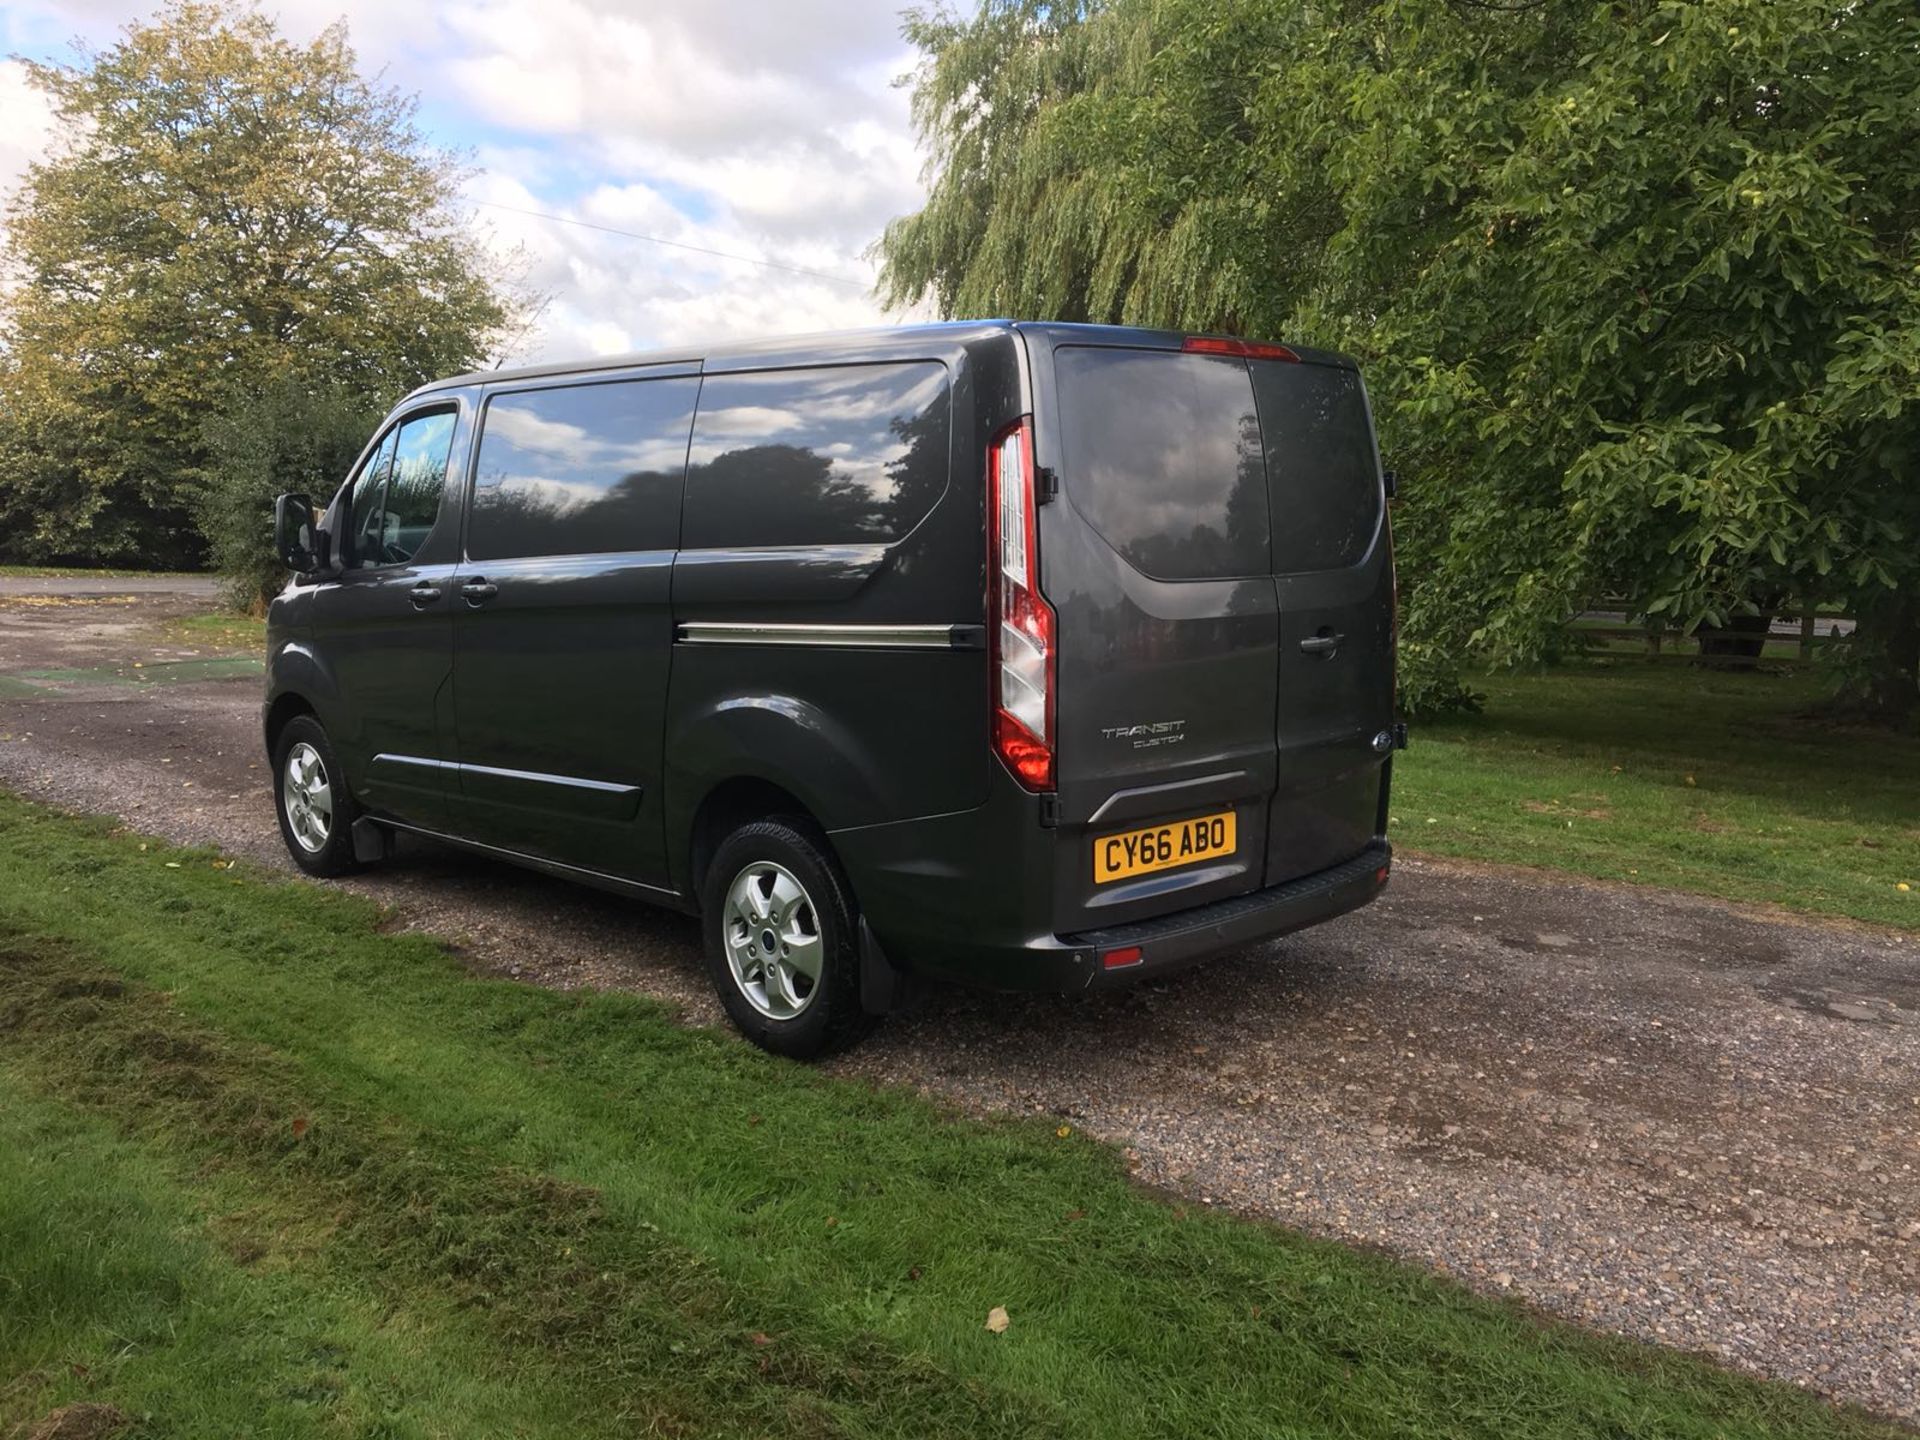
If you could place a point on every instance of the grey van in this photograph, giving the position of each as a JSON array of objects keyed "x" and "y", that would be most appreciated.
[{"x": 1030, "y": 655}]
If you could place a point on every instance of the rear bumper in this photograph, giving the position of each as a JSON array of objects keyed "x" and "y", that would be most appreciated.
[
  {"x": 1005, "y": 956},
  {"x": 1173, "y": 941}
]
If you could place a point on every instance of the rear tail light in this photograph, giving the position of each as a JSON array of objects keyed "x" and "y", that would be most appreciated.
[
  {"x": 1022, "y": 623},
  {"x": 1228, "y": 345}
]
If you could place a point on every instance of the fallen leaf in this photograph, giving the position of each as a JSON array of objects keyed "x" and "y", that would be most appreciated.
[
  {"x": 299, "y": 1126},
  {"x": 1066, "y": 1130},
  {"x": 760, "y": 1337},
  {"x": 1076, "y": 1214},
  {"x": 173, "y": 864},
  {"x": 997, "y": 1320}
]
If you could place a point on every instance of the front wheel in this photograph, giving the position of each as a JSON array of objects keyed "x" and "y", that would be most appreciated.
[
  {"x": 316, "y": 810},
  {"x": 780, "y": 927}
]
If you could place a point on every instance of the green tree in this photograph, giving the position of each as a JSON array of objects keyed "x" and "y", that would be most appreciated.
[
  {"x": 292, "y": 436},
  {"x": 1637, "y": 284},
  {"x": 228, "y": 217}
]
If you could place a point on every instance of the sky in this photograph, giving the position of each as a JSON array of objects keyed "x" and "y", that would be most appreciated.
[{"x": 763, "y": 128}]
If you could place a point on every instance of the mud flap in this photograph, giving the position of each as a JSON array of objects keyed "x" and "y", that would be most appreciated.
[
  {"x": 371, "y": 840},
  {"x": 883, "y": 989}
]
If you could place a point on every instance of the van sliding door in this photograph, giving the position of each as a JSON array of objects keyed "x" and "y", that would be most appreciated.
[{"x": 562, "y": 629}]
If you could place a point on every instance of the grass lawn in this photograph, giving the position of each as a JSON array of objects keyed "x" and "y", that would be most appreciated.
[
  {"x": 1660, "y": 773},
  {"x": 267, "y": 1170}
]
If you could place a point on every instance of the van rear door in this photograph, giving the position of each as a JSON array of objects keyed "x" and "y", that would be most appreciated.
[
  {"x": 1218, "y": 565},
  {"x": 1157, "y": 559},
  {"x": 1334, "y": 570}
]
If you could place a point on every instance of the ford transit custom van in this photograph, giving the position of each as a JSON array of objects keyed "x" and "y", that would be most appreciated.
[{"x": 1028, "y": 655}]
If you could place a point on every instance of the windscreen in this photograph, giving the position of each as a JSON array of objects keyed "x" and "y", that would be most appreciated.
[
  {"x": 1323, "y": 477},
  {"x": 1163, "y": 458}
]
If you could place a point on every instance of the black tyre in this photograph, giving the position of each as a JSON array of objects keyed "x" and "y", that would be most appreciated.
[
  {"x": 310, "y": 795},
  {"x": 781, "y": 940}
]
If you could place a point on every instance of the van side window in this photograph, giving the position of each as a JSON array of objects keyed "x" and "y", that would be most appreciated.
[
  {"x": 415, "y": 485},
  {"x": 396, "y": 496},
  {"x": 1321, "y": 469},
  {"x": 369, "y": 510},
  {"x": 1163, "y": 457},
  {"x": 582, "y": 469},
  {"x": 844, "y": 454}
]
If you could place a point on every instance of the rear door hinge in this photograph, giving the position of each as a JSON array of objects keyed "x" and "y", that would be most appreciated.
[
  {"x": 1049, "y": 811},
  {"x": 1046, "y": 484}
]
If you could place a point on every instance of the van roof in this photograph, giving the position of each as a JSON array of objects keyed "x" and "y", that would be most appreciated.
[{"x": 876, "y": 343}]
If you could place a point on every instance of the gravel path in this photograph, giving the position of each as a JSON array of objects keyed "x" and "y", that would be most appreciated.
[{"x": 1651, "y": 1113}]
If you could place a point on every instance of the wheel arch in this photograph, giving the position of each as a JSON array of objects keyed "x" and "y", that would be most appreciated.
[
  {"x": 736, "y": 801},
  {"x": 744, "y": 757},
  {"x": 282, "y": 709}
]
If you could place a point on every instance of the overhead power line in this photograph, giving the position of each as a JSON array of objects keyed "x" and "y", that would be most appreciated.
[{"x": 674, "y": 244}]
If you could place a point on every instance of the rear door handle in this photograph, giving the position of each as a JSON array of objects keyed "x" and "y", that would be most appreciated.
[
  {"x": 478, "y": 592},
  {"x": 1321, "y": 644},
  {"x": 423, "y": 595}
]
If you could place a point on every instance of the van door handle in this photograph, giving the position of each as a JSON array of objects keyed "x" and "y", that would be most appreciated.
[
  {"x": 478, "y": 592},
  {"x": 423, "y": 595},
  {"x": 1321, "y": 644}
]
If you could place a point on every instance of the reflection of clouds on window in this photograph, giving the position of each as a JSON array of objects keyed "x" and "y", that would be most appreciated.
[
  {"x": 558, "y": 496},
  {"x": 749, "y": 422},
  {"x": 574, "y": 446},
  {"x": 582, "y": 469},
  {"x": 860, "y": 454},
  {"x": 873, "y": 474}
]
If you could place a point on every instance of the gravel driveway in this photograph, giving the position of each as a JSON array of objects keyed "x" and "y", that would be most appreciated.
[{"x": 1651, "y": 1113}]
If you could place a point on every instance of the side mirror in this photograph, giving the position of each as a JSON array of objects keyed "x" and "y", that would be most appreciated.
[{"x": 295, "y": 538}]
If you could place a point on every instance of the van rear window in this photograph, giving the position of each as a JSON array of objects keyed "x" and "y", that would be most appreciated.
[
  {"x": 1163, "y": 457},
  {"x": 1323, "y": 476}
]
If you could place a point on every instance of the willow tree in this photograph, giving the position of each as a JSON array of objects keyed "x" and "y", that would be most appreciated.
[
  {"x": 225, "y": 215},
  {"x": 1637, "y": 284}
]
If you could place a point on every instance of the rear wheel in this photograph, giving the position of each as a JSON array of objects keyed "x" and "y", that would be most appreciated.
[
  {"x": 310, "y": 793},
  {"x": 780, "y": 939}
]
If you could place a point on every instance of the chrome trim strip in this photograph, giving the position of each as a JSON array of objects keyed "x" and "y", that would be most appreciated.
[
  {"x": 869, "y": 637},
  {"x": 418, "y": 762},
  {"x": 1170, "y": 791},
  {"x": 571, "y": 782}
]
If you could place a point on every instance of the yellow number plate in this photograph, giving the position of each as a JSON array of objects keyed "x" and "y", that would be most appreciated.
[{"x": 1162, "y": 847}]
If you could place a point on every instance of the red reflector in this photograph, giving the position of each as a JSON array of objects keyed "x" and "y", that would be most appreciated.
[
  {"x": 1228, "y": 345},
  {"x": 1380, "y": 876},
  {"x": 1120, "y": 959}
]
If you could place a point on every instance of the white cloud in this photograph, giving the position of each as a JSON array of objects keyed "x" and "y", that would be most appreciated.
[
  {"x": 763, "y": 130},
  {"x": 26, "y": 124}
]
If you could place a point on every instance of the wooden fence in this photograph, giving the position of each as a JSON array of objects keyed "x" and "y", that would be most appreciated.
[{"x": 1789, "y": 637}]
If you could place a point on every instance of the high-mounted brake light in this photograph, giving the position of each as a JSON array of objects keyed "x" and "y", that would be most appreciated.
[
  {"x": 1022, "y": 623},
  {"x": 1228, "y": 345}
]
